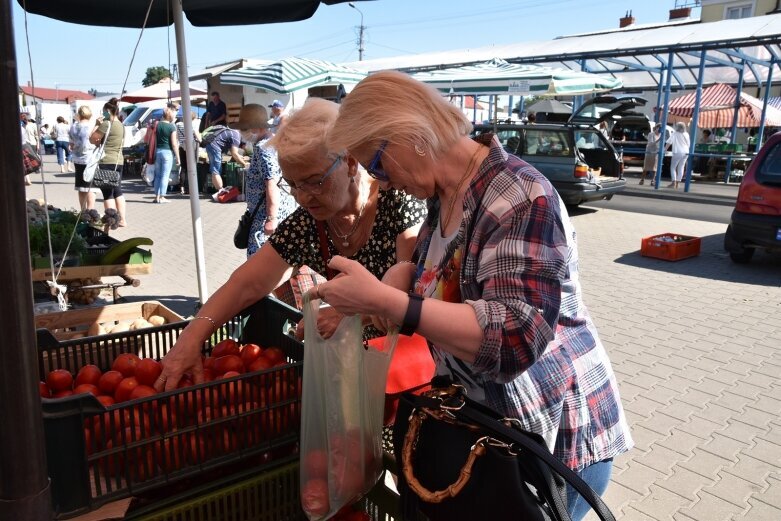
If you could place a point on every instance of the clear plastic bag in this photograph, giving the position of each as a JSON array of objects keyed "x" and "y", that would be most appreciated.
[{"x": 342, "y": 411}]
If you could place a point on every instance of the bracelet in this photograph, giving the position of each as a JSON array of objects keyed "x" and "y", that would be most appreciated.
[
  {"x": 407, "y": 262},
  {"x": 210, "y": 319},
  {"x": 412, "y": 316},
  {"x": 270, "y": 218}
]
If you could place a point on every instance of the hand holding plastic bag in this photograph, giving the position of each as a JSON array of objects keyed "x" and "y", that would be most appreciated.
[{"x": 342, "y": 411}]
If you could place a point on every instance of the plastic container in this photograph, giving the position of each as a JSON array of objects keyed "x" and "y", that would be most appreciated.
[
  {"x": 670, "y": 246},
  {"x": 97, "y": 454},
  {"x": 270, "y": 496}
]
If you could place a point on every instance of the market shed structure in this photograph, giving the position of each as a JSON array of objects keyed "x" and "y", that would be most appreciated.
[{"x": 680, "y": 55}]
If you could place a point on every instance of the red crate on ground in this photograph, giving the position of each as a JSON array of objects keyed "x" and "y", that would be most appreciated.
[{"x": 670, "y": 246}]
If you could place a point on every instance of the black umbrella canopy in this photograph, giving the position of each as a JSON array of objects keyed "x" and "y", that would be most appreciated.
[{"x": 201, "y": 13}]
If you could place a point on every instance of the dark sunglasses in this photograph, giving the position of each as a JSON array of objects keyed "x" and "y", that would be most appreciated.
[{"x": 375, "y": 166}]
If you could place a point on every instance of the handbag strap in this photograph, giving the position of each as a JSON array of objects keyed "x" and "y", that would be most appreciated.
[
  {"x": 325, "y": 253},
  {"x": 255, "y": 211},
  {"x": 473, "y": 414}
]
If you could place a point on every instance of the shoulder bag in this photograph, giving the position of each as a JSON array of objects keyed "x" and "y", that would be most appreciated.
[
  {"x": 104, "y": 177},
  {"x": 462, "y": 460},
  {"x": 241, "y": 236}
]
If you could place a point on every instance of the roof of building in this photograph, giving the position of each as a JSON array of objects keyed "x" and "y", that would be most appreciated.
[
  {"x": 47, "y": 94},
  {"x": 635, "y": 54}
]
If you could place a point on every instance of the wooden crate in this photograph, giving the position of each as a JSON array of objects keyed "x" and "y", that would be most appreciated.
[
  {"x": 67, "y": 325},
  {"x": 670, "y": 246}
]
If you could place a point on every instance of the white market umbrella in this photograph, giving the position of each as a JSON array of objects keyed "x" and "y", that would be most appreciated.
[
  {"x": 499, "y": 77},
  {"x": 164, "y": 89},
  {"x": 291, "y": 74}
]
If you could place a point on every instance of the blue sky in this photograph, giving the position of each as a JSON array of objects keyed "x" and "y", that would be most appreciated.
[{"x": 81, "y": 57}]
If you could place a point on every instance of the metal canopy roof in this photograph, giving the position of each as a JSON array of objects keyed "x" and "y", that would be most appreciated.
[{"x": 636, "y": 56}]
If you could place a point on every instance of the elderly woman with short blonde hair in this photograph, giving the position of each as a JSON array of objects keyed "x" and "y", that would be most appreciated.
[
  {"x": 495, "y": 290},
  {"x": 81, "y": 148},
  {"x": 336, "y": 200}
]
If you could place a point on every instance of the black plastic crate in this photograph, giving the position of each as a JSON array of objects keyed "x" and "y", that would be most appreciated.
[{"x": 97, "y": 454}]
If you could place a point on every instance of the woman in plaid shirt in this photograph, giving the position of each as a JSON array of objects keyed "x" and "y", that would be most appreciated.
[{"x": 496, "y": 270}]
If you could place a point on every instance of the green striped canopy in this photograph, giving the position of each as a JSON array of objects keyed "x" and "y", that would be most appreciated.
[
  {"x": 291, "y": 74},
  {"x": 499, "y": 77}
]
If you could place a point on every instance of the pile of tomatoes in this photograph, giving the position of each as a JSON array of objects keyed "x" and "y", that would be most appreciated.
[{"x": 186, "y": 428}]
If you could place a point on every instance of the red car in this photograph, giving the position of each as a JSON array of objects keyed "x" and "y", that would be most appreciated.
[{"x": 756, "y": 220}]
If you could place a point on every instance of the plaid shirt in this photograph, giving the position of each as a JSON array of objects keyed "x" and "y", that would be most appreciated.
[{"x": 540, "y": 360}]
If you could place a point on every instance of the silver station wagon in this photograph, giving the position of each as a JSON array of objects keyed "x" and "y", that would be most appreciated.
[{"x": 575, "y": 156}]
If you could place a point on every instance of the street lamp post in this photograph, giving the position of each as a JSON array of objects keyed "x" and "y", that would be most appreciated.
[{"x": 360, "y": 32}]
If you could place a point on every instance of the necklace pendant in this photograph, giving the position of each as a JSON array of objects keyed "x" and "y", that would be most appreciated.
[{"x": 345, "y": 243}]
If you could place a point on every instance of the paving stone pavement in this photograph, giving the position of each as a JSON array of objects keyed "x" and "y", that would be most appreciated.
[{"x": 696, "y": 346}]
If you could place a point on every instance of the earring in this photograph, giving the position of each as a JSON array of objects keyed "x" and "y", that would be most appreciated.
[{"x": 419, "y": 150}]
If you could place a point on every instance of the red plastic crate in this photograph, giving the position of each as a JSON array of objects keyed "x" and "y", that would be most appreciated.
[{"x": 670, "y": 246}]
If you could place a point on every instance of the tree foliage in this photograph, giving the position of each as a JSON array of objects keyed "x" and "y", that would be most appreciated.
[{"x": 154, "y": 75}]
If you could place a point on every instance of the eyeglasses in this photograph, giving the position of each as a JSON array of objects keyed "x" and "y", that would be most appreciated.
[
  {"x": 312, "y": 187},
  {"x": 375, "y": 166}
]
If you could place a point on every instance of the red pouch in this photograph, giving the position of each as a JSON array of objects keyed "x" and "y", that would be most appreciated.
[
  {"x": 411, "y": 370},
  {"x": 228, "y": 195}
]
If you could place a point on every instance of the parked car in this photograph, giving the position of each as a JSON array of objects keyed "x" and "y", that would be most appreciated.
[
  {"x": 575, "y": 156},
  {"x": 756, "y": 219},
  {"x": 143, "y": 114},
  {"x": 633, "y": 128}
]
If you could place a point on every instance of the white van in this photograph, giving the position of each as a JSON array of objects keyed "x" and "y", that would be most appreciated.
[{"x": 144, "y": 113}]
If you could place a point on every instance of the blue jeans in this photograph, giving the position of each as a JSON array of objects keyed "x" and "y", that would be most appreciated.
[
  {"x": 215, "y": 160},
  {"x": 164, "y": 160},
  {"x": 597, "y": 475},
  {"x": 63, "y": 152}
]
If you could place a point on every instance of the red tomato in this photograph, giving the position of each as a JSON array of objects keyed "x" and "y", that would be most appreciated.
[
  {"x": 274, "y": 354},
  {"x": 208, "y": 375},
  {"x": 44, "y": 390},
  {"x": 109, "y": 381},
  {"x": 225, "y": 348},
  {"x": 59, "y": 380},
  {"x": 165, "y": 418},
  {"x": 62, "y": 394},
  {"x": 88, "y": 441},
  {"x": 185, "y": 381},
  {"x": 250, "y": 353},
  {"x": 173, "y": 453},
  {"x": 147, "y": 371},
  {"x": 142, "y": 391},
  {"x": 125, "y": 387},
  {"x": 314, "y": 497},
  {"x": 126, "y": 364},
  {"x": 316, "y": 464},
  {"x": 197, "y": 449},
  {"x": 106, "y": 400},
  {"x": 260, "y": 364},
  {"x": 86, "y": 388},
  {"x": 89, "y": 374},
  {"x": 208, "y": 363},
  {"x": 228, "y": 363}
]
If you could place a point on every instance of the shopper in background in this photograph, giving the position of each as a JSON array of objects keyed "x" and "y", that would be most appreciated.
[
  {"x": 680, "y": 145},
  {"x": 277, "y": 107},
  {"x": 81, "y": 148},
  {"x": 108, "y": 123},
  {"x": 495, "y": 289},
  {"x": 33, "y": 140},
  {"x": 227, "y": 140},
  {"x": 61, "y": 136},
  {"x": 196, "y": 139},
  {"x": 262, "y": 192},
  {"x": 166, "y": 152},
  {"x": 651, "y": 153}
]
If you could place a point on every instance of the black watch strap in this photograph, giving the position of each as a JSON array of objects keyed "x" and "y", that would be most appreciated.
[{"x": 412, "y": 316}]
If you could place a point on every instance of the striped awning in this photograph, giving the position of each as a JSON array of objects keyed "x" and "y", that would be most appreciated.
[
  {"x": 499, "y": 77},
  {"x": 775, "y": 102},
  {"x": 292, "y": 74},
  {"x": 717, "y": 108}
]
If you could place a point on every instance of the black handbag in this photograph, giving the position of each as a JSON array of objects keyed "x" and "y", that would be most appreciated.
[
  {"x": 461, "y": 460},
  {"x": 106, "y": 178},
  {"x": 241, "y": 237}
]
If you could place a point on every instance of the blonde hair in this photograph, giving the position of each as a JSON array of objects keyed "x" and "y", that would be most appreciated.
[
  {"x": 392, "y": 106},
  {"x": 84, "y": 112},
  {"x": 303, "y": 134}
]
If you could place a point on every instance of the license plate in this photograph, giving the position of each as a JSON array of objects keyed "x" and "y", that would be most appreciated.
[{"x": 778, "y": 234}]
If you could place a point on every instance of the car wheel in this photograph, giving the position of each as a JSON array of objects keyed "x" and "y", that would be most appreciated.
[{"x": 743, "y": 256}]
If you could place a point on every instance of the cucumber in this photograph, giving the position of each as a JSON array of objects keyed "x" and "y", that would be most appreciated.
[{"x": 123, "y": 249}]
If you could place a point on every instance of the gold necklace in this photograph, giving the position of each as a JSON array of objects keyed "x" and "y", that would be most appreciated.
[
  {"x": 453, "y": 200},
  {"x": 346, "y": 237}
]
